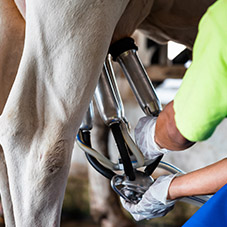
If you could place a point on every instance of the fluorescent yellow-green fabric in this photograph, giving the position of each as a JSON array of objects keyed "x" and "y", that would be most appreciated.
[{"x": 201, "y": 102}]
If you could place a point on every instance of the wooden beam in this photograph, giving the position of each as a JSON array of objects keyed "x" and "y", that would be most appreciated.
[{"x": 159, "y": 73}]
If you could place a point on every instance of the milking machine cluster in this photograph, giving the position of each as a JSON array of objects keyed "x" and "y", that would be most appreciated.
[{"x": 132, "y": 184}]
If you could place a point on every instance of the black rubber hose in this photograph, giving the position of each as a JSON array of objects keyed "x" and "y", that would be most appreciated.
[
  {"x": 93, "y": 161},
  {"x": 151, "y": 168},
  {"x": 123, "y": 150}
]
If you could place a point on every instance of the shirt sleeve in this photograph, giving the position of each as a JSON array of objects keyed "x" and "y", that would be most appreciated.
[{"x": 201, "y": 102}]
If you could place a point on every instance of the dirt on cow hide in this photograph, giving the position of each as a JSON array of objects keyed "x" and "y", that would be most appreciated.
[{"x": 76, "y": 208}]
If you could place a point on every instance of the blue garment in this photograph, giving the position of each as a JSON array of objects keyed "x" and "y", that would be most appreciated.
[{"x": 213, "y": 213}]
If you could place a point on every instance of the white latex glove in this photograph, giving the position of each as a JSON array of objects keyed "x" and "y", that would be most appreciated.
[
  {"x": 154, "y": 202},
  {"x": 144, "y": 137}
]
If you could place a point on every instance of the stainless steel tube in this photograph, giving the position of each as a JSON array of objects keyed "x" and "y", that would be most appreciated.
[
  {"x": 139, "y": 82},
  {"x": 88, "y": 118},
  {"x": 107, "y": 96},
  {"x": 108, "y": 67}
]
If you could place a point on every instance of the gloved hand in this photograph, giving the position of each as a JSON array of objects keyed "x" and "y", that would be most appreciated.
[
  {"x": 144, "y": 137},
  {"x": 154, "y": 202}
]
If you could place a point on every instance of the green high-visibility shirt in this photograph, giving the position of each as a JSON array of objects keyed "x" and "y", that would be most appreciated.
[{"x": 201, "y": 102}]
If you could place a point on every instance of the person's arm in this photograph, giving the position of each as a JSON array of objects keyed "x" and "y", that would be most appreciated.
[
  {"x": 156, "y": 136},
  {"x": 205, "y": 181},
  {"x": 160, "y": 198},
  {"x": 166, "y": 133}
]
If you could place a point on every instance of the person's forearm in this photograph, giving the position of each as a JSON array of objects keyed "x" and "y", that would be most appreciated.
[
  {"x": 166, "y": 133},
  {"x": 204, "y": 181}
]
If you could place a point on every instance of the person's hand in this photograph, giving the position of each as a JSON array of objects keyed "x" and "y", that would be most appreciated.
[
  {"x": 144, "y": 137},
  {"x": 154, "y": 202}
]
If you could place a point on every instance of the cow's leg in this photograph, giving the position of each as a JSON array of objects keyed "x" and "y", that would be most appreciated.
[
  {"x": 65, "y": 46},
  {"x": 11, "y": 46},
  {"x": 104, "y": 202}
]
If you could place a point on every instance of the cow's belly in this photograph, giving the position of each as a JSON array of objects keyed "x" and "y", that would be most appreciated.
[
  {"x": 21, "y": 5},
  {"x": 134, "y": 14}
]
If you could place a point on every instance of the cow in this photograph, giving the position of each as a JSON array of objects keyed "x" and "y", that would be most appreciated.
[{"x": 57, "y": 57}]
